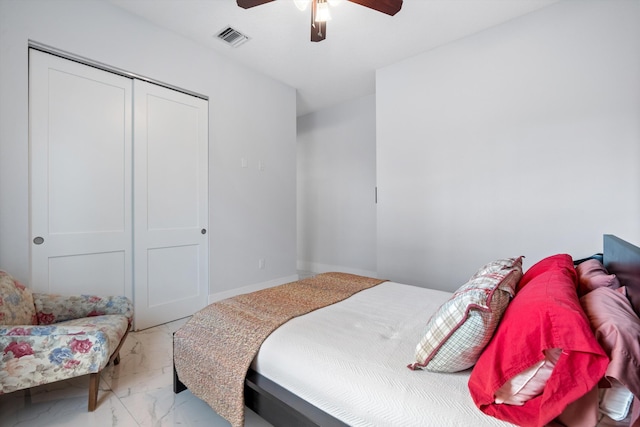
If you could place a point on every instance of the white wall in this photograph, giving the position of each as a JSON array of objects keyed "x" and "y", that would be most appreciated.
[
  {"x": 522, "y": 139},
  {"x": 336, "y": 189},
  {"x": 252, "y": 213}
]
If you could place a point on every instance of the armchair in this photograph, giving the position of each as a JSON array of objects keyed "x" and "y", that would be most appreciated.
[{"x": 46, "y": 338}]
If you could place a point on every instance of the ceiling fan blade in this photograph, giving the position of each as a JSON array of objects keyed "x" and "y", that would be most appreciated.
[
  {"x": 246, "y": 4},
  {"x": 390, "y": 7}
]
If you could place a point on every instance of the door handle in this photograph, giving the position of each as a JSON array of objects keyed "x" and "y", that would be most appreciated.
[
  {"x": 203, "y": 231},
  {"x": 38, "y": 240}
]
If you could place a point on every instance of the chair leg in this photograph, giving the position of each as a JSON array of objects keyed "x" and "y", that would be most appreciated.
[
  {"x": 115, "y": 357},
  {"x": 94, "y": 382},
  {"x": 94, "y": 379}
]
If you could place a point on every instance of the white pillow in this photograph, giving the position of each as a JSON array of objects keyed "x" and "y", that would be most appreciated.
[
  {"x": 529, "y": 383},
  {"x": 616, "y": 401}
]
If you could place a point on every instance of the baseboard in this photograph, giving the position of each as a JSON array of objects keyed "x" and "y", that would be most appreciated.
[
  {"x": 315, "y": 267},
  {"x": 251, "y": 288}
]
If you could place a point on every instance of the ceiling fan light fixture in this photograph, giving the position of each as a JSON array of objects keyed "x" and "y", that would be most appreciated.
[
  {"x": 302, "y": 4},
  {"x": 322, "y": 12}
]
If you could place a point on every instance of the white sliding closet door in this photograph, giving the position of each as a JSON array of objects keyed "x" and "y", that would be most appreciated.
[
  {"x": 80, "y": 178},
  {"x": 119, "y": 189},
  {"x": 170, "y": 204}
]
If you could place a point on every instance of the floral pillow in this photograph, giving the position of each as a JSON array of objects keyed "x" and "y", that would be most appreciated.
[{"x": 16, "y": 302}]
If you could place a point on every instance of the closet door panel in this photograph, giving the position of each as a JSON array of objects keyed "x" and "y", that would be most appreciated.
[
  {"x": 171, "y": 204},
  {"x": 169, "y": 266},
  {"x": 111, "y": 279},
  {"x": 80, "y": 178},
  {"x": 173, "y": 180},
  {"x": 86, "y": 154}
]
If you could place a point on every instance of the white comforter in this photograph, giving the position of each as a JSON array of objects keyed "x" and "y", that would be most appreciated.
[{"x": 350, "y": 359}]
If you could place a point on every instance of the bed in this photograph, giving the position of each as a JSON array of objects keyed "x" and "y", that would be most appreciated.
[{"x": 372, "y": 352}]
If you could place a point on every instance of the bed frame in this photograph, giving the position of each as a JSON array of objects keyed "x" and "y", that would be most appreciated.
[
  {"x": 623, "y": 259},
  {"x": 280, "y": 407}
]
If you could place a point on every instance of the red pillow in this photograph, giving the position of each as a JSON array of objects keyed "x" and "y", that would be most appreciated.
[
  {"x": 543, "y": 266},
  {"x": 544, "y": 314}
]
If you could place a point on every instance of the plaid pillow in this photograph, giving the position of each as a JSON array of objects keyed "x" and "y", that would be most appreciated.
[{"x": 461, "y": 328}]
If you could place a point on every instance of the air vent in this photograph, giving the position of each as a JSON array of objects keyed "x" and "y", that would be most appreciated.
[{"x": 232, "y": 37}]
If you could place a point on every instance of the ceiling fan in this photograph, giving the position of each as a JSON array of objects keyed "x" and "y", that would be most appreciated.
[{"x": 318, "y": 7}]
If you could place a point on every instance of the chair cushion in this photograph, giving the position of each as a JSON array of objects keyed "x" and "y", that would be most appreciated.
[
  {"x": 52, "y": 308},
  {"x": 112, "y": 327},
  {"x": 16, "y": 302},
  {"x": 41, "y": 354}
]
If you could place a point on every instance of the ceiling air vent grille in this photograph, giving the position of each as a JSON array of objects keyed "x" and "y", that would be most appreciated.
[{"x": 232, "y": 37}]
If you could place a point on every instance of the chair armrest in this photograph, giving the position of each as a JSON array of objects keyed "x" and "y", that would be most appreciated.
[
  {"x": 58, "y": 308},
  {"x": 34, "y": 355}
]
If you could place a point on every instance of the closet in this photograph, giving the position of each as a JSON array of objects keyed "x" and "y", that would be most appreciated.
[{"x": 118, "y": 188}]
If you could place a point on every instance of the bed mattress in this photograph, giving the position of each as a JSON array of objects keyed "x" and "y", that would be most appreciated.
[{"x": 350, "y": 360}]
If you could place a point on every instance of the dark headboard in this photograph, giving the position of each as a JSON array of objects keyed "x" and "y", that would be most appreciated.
[{"x": 623, "y": 259}]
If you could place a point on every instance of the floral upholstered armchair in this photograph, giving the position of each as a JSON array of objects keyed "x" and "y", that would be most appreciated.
[{"x": 46, "y": 338}]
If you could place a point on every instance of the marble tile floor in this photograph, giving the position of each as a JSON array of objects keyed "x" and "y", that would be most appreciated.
[{"x": 137, "y": 392}]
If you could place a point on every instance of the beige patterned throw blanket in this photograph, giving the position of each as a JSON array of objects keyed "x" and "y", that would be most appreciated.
[{"x": 213, "y": 351}]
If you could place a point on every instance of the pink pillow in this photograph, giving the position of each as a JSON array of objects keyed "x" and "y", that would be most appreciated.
[
  {"x": 592, "y": 275},
  {"x": 617, "y": 328},
  {"x": 545, "y": 314}
]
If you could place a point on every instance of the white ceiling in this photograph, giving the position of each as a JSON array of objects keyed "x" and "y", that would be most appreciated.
[{"x": 359, "y": 40}]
